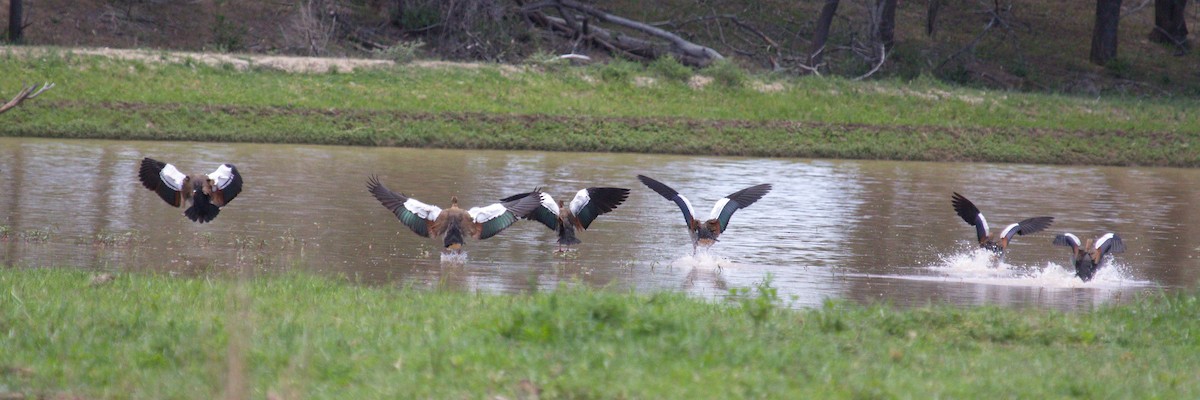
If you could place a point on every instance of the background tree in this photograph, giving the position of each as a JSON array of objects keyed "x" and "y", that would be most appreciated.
[
  {"x": 1104, "y": 32},
  {"x": 15, "y": 12},
  {"x": 821, "y": 33},
  {"x": 1170, "y": 22},
  {"x": 886, "y": 29}
]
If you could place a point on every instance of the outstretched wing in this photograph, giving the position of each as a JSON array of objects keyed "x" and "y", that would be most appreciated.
[
  {"x": 971, "y": 215},
  {"x": 1071, "y": 241},
  {"x": 725, "y": 207},
  {"x": 689, "y": 216},
  {"x": 1068, "y": 240},
  {"x": 546, "y": 212},
  {"x": 1025, "y": 227},
  {"x": 1109, "y": 243},
  {"x": 592, "y": 202},
  {"x": 227, "y": 183},
  {"x": 494, "y": 218},
  {"x": 414, "y": 214},
  {"x": 164, "y": 179}
]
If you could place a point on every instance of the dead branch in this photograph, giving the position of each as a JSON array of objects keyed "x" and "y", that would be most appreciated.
[
  {"x": 686, "y": 51},
  {"x": 1135, "y": 9},
  {"x": 997, "y": 19},
  {"x": 882, "y": 58},
  {"x": 26, "y": 93}
]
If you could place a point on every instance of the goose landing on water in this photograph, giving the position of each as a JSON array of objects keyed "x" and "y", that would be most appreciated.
[
  {"x": 202, "y": 196},
  {"x": 997, "y": 244},
  {"x": 452, "y": 224},
  {"x": 566, "y": 218},
  {"x": 1087, "y": 258},
  {"x": 705, "y": 232}
]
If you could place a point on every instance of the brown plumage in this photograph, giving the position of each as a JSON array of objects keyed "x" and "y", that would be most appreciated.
[
  {"x": 999, "y": 243},
  {"x": 201, "y": 195},
  {"x": 705, "y": 232},
  {"x": 451, "y": 224},
  {"x": 566, "y": 219}
]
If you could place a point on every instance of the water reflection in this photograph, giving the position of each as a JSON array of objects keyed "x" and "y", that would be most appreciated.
[{"x": 866, "y": 231}]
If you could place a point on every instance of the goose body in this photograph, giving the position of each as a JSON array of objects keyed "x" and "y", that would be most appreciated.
[
  {"x": 1087, "y": 257},
  {"x": 451, "y": 224},
  {"x": 705, "y": 232},
  {"x": 997, "y": 244},
  {"x": 566, "y": 218},
  {"x": 201, "y": 196}
]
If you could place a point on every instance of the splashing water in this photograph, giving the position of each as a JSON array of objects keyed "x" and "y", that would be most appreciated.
[
  {"x": 981, "y": 266},
  {"x": 703, "y": 260},
  {"x": 454, "y": 257}
]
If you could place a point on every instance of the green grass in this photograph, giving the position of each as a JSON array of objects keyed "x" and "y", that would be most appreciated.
[
  {"x": 301, "y": 336},
  {"x": 599, "y": 108}
]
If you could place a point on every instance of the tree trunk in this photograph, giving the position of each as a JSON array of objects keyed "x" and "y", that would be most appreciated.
[
  {"x": 14, "y": 21},
  {"x": 397, "y": 17},
  {"x": 821, "y": 34},
  {"x": 1170, "y": 24},
  {"x": 887, "y": 23},
  {"x": 1104, "y": 33}
]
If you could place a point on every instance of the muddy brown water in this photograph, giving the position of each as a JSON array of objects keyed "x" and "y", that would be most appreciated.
[{"x": 865, "y": 231}]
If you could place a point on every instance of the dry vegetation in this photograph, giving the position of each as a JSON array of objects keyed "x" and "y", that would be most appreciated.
[{"x": 1036, "y": 46}]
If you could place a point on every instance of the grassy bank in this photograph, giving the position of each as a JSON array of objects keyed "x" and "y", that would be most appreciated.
[
  {"x": 148, "y": 336},
  {"x": 615, "y": 107}
]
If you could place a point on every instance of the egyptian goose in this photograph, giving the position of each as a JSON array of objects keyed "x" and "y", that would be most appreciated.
[
  {"x": 201, "y": 195},
  {"x": 1087, "y": 258},
  {"x": 565, "y": 218},
  {"x": 997, "y": 244},
  {"x": 705, "y": 232},
  {"x": 452, "y": 224}
]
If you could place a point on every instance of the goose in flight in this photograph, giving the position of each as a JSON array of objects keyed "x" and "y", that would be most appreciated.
[
  {"x": 1087, "y": 258},
  {"x": 997, "y": 244},
  {"x": 201, "y": 196},
  {"x": 452, "y": 224},
  {"x": 705, "y": 232},
  {"x": 565, "y": 218}
]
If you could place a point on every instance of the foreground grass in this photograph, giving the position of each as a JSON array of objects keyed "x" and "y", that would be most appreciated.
[
  {"x": 296, "y": 336},
  {"x": 600, "y": 108}
]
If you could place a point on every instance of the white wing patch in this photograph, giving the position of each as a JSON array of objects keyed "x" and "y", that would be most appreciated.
[
  {"x": 426, "y": 211},
  {"x": 1008, "y": 229},
  {"x": 222, "y": 176},
  {"x": 716, "y": 211},
  {"x": 172, "y": 177},
  {"x": 1101, "y": 240},
  {"x": 485, "y": 214},
  {"x": 548, "y": 203},
  {"x": 691, "y": 211},
  {"x": 580, "y": 201},
  {"x": 983, "y": 221},
  {"x": 1074, "y": 239}
]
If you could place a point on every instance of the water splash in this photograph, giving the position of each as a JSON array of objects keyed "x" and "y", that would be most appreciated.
[
  {"x": 981, "y": 266},
  {"x": 454, "y": 257},
  {"x": 703, "y": 260}
]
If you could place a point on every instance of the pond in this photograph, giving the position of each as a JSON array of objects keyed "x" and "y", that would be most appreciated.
[{"x": 866, "y": 231}]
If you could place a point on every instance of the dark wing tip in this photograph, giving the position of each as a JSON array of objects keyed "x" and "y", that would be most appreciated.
[
  {"x": 149, "y": 172},
  {"x": 965, "y": 208},
  {"x": 524, "y": 205},
  {"x": 659, "y": 187},
  {"x": 519, "y": 196},
  {"x": 750, "y": 195},
  {"x": 1117, "y": 245},
  {"x": 1034, "y": 225},
  {"x": 606, "y": 199}
]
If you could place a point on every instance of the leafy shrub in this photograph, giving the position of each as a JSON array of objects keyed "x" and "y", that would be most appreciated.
[
  {"x": 619, "y": 70},
  {"x": 402, "y": 52},
  {"x": 726, "y": 73},
  {"x": 670, "y": 69}
]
